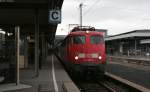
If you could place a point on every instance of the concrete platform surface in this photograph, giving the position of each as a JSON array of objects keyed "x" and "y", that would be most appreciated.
[
  {"x": 13, "y": 86},
  {"x": 51, "y": 77},
  {"x": 70, "y": 87}
]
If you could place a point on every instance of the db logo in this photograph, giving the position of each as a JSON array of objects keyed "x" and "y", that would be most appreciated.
[{"x": 55, "y": 16}]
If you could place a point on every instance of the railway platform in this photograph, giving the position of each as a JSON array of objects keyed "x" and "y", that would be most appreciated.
[
  {"x": 130, "y": 59},
  {"x": 133, "y": 69},
  {"x": 52, "y": 78}
]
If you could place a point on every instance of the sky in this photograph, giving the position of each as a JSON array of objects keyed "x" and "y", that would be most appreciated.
[{"x": 117, "y": 16}]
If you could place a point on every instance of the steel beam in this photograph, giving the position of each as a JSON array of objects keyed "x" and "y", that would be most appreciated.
[
  {"x": 17, "y": 32},
  {"x": 36, "y": 43}
]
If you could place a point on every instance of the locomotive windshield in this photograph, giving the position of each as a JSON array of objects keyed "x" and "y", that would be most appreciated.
[
  {"x": 96, "y": 39},
  {"x": 78, "y": 39}
]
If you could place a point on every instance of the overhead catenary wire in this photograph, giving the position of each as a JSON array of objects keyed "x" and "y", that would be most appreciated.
[
  {"x": 91, "y": 7},
  {"x": 80, "y": 1}
]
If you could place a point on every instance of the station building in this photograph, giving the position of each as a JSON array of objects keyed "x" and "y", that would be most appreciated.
[{"x": 134, "y": 43}]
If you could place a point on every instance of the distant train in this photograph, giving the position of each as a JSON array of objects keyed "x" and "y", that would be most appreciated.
[{"x": 83, "y": 52}]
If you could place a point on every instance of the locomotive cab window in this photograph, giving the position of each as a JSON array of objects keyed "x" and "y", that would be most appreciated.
[
  {"x": 96, "y": 39},
  {"x": 77, "y": 40}
]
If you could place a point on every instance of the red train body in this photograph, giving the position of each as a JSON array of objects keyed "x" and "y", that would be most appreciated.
[{"x": 84, "y": 51}]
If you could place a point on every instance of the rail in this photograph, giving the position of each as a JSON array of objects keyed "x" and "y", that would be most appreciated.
[
  {"x": 124, "y": 84},
  {"x": 110, "y": 83}
]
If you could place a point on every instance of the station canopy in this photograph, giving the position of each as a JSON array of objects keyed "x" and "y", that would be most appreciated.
[
  {"x": 23, "y": 12},
  {"x": 145, "y": 33}
]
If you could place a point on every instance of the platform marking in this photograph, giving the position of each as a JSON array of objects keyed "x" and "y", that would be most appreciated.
[{"x": 54, "y": 77}]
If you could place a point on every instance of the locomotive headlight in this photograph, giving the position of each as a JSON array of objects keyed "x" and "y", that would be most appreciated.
[
  {"x": 100, "y": 57},
  {"x": 87, "y": 31},
  {"x": 76, "y": 57}
]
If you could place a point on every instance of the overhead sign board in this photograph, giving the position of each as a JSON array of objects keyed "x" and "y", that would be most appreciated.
[{"x": 55, "y": 16}]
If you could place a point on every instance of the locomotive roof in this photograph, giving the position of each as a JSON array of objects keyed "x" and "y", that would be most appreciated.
[{"x": 84, "y": 32}]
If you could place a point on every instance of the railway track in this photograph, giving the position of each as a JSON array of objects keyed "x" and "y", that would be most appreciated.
[
  {"x": 92, "y": 87},
  {"x": 110, "y": 83},
  {"x": 99, "y": 86}
]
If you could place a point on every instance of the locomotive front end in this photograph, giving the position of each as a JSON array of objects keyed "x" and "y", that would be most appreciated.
[{"x": 87, "y": 52}]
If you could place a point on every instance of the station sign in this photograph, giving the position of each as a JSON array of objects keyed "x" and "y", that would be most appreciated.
[{"x": 55, "y": 16}]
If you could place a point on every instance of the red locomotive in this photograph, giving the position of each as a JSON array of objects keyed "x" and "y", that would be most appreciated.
[{"x": 83, "y": 51}]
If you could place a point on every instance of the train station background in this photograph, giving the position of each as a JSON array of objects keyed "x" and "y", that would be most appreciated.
[
  {"x": 131, "y": 44},
  {"x": 37, "y": 34}
]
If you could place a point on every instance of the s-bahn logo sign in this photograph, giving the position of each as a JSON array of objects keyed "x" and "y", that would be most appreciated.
[{"x": 55, "y": 16}]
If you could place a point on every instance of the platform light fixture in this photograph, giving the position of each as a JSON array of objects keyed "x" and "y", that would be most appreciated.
[
  {"x": 9, "y": 34},
  {"x": 1, "y": 31}
]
